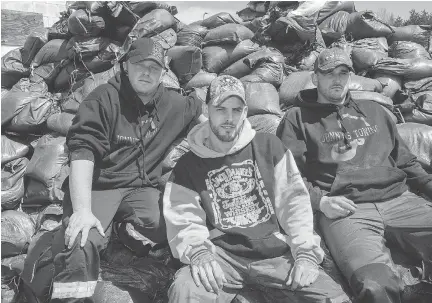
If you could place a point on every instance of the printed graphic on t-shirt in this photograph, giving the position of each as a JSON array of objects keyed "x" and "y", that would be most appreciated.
[
  {"x": 341, "y": 151},
  {"x": 239, "y": 196}
]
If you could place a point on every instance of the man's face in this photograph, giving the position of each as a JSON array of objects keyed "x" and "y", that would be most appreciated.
[
  {"x": 227, "y": 118},
  {"x": 333, "y": 85},
  {"x": 144, "y": 76}
]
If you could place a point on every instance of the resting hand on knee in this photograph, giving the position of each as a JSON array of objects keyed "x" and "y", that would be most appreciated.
[
  {"x": 303, "y": 273},
  {"x": 206, "y": 270},
  {"x": 81, "y": 221},
  {"x": 337, "y": 207}
]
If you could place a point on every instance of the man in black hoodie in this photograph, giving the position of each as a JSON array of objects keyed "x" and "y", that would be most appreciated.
[
  {"x": 117, "y": 142},
  {"x": 357, "y": 170}
]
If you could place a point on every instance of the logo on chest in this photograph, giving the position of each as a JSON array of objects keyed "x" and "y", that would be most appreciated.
[
  {"x": 125, "y": 140},
  {"x": 239, "y": 197}
]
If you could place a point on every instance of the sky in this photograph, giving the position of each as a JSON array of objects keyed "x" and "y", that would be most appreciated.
[{"x": 189, "y": 11}]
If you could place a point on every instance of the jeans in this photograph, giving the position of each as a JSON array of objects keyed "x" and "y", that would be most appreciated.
[
  {"x": 358, "y": 244},
  {"x": 268, "y": 275}
]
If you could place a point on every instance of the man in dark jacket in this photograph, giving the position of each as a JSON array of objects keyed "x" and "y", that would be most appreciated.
[
  {"x": 357, "y": 170},
  {"x": 117, "y": 142}
]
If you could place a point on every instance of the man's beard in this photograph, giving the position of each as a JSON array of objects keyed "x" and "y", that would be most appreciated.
[{"x": 222, "y": 136}]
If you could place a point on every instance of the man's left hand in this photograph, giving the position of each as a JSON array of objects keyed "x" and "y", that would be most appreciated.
[{"x": 303, "y": 273}]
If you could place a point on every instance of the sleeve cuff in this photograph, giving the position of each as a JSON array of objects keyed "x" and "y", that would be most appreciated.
[
  {"x": 193, "y": 249},
  {"x": 82, "y": 154}
]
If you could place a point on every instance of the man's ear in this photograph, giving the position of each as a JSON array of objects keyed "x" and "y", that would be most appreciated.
[
  {"x": 125, "y": 66},
  {"x": 314, "y": 79}
]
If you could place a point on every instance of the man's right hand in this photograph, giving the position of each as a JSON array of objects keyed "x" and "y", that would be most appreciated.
[
  {"x": 206, "y": 270},
  {"x": 337, "y": 207},
  {"x": 81, "y": 221}
]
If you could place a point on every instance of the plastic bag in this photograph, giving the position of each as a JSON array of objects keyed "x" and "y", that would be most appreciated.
[
  {"x": 366, "y": 24},
  {"x": 36, "y": 194},
  {"x": 247, "y": 14},
  {"x": 186, "y": 62},
  {"x": 265, "y": 123},
  {"x": 86, "y": 47},
  {"x": 266, "y": 72},
  {"x": 12, "y": 183},
  {"x": 60, "y": 122},
  {"x": 81, "y": 23},
  {"x": 170, "y": 81},
  {"x": 262, "y": 98},
  {"x": 227, "y": 34},
  {"x": 12, "y": 149},
  {"x": 53, "y": 51},
  {"x": 70, "y": 74},
  {"x": 421, "y": 34},
  {"x": 216, "y": 58},
  {"x": 192, "y": 35},
  {"x": 11, "y": 268},
  {"x": 333, "y": 7},
  {"x": 201, "y": 79},
  {"x": 292, "y": 85},
  {"x": 47, "y": 73},
  {"x": 366, "y": 52},
  {"x": 16, "y": 231},
  {"x": 168, "y": 38},
  {"x": 60, "y": 30},
  {"x": 49, "y": 164},
  {"x": 219, "y": 20},
  {"x": 408, "y": 50},
  {"x": 12, "y": 68},
  {"x": 412, "y": 69},
  {"x": 34, "y": 42},
  {"x": 360, "y": 96},
  {"x": 49, "y": 219}
]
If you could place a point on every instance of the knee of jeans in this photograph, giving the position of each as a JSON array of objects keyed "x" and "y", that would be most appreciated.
[
  {"x": 376, "y": 283},
  {"x": 183, "y": 283}
]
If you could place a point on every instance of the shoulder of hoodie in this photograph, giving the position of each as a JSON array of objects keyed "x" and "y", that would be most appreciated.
[{"x": 176, "y": 99}]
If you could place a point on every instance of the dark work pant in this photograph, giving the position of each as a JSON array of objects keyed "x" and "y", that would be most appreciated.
[
  {"x": 77, "y": 269},
  {"x": 268, "y": 275},
  {"x": 358, "y": 244}
]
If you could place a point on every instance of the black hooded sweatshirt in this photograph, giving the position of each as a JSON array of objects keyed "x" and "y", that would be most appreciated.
[
  {"x": 352, "y": 150},
  {"x": 126, "y": 139}
]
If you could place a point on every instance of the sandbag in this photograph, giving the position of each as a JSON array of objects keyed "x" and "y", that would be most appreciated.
[
  {"x": 292, "y": 85},
  {"x": 285, "y": 31},
  {"x": 53, "y": 51},
  {"x": 201, "y": 79},
  {"x": 12, "y": 68},
  {"x": 421, "y": 34},
  {"x": 49, "y": 218},
  {"x": 170, "y": 81},
  {"x": 177, "y": 149},
  {"x": 36, "y": 194},
  {"x": 186, "y": 62},
  {"x": 34, "y": 42},
  {"x": 266, "y": 72},
  {"x": 265, "y": 123},
  {"x": 215, "y": 58},
  {"x": 11, "y": 268},
  {"x": 12, "y": 149},
  {"x": 242, "y": 67},
  {"x": 219, "y": 20},
  {"x": 47, "y": 73},
  {"x": 25, "y": 85},
  {"x": 142, "y": 8},
  {"x": 192, "y": 35},
  {"x": 60, "y": 30},
  {"x": 227, "y": 34},
  {"x": 49, "y": 164},
  {"x": 81, "y": 23},
  {"x": 103, "y": 61},
  {"x": 418, "y": 138},
  {"x": 365, "y": 84},
  {"x": 86, "y": 47},
  {"x": 243, "y": 49},
  {"x": 167, "y": 39},
  {"x": 16, "y": 231},
  {"x": 366, "y": 24},
  {"x": 360, "y": 96},
  {"x": 422, "y": 112},
  {"x": 33, "y": 114},
  {"x": 366, "y": 52},
  {"x": 333, "y": 7},
  {"x": 84, "y": 87},
  {"x": 69, "y": 75},
  {"x": 16, "y": 100},
  {"x": 334, "y": 27},
  {"x": 248, "y": 14},
  {"x": 417, "y": 86},
  {"x": 305, "y": 59},
  {"x": 412, "y": 69},
  {"x": 262, "y": 98},
  {"x": 390, "y": 83},
  {"x": 408, "y": 50},
  {"x": 151, "y": 24},
  {"x": 60, "y": 122},
  {"x": 258, "y": 6},
  {"x": 119, "y": 33},
  {"x": 12, "y": 183}
]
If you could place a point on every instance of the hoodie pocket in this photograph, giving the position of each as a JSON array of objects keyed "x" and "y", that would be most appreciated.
[{"x": 371, "y": 184}]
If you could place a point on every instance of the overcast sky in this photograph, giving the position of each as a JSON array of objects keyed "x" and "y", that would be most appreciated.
[{"x": 189, "y": 11}]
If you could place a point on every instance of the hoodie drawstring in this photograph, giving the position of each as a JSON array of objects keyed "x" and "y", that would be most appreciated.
[{"x": 344, "y": 130}]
